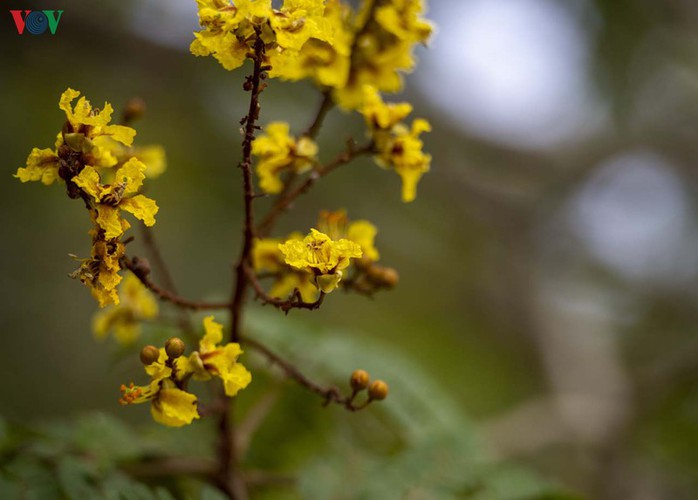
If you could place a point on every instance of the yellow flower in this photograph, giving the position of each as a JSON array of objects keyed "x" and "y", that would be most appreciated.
[
  {"x": 92, "y": 123},
  {"x": 100, "y": 272},
  {"x": 324, "y": 57},
  {"x": 288, "y": 282},
  {"x": 279, "y": 152},
  {"x": 87, "y": 139},
  {"x": 174, "y": 407},
  {"x": 136, "y": 304},
  {"x": 385, "y": 48},
  {"x": 322, "y": 256},
  {"x": 266, "y": 257},
  {"x": 401, "y": 18},
  {"x": 403, "y": 152},
  {"x": 380, "y": 115},
  {"x": 296, "y": 22},
  {"x": 119, "y": 195},
  {"x": 170, "y": 405},
  {"x": 229, "y": 30},
  {"x": 397, "y": 146},
  {"x": 152, "y": 156},
  {"x": 42, "y": 165},
  {"x": 220, "y": 361},
  {"x": 337, "y": 225}
]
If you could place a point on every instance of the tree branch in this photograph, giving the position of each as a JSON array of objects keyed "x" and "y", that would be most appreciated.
[
  {"x": 284, "y": 203},
  {"x": 325, "y": 106},
  {"x": 136, "y": 266},
  {"x": 329, "y": 394},
  {"x": 295, "y": 302},
  {"x": 230, "y": 478}
]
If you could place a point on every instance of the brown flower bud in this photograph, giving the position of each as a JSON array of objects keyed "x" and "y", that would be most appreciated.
[
  {"x": 390, "y": 277},
  {"x": 363, "y": 263},
  {"x": 149, "y": 355},
  {"x": 359, "y": 380},
  {"x": 174, "y": 347},
  {"x": 134, "y": 110},
  {"x": 378, "y": 390}
]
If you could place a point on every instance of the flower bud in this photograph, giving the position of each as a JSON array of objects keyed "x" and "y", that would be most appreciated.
[
  {"x": 74, "y": 141},
  {"x": 390, "y": 277},
  {"x": 174, "y": 347},
  {"x": 359, "y": 380},
  {"x": 378, "y": 390},
  {"x": 328, "y": 282},
  {"x": 135, "y": 109},
  {"x": 364, "y": 262},
  {"x": 385, "y": 277},
  {"x": 149, "y": 355}
]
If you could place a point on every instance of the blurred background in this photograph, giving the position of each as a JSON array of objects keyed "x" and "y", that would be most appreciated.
[{"x": 548, "y": 266}]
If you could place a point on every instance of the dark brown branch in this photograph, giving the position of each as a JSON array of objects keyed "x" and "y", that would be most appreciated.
[
  {"x": 135, "y": 265},
  {"x": 230, "y": 478},
  {"x": 328, "y": 394},
  {"x": 255, "y": 86},
  {"x": 283, "y": 203},
  {"x": 295, "y": 302},
  {"x": 325, "y": 106}
]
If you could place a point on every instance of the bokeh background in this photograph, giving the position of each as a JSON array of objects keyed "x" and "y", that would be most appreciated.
[{"x": 548, "y": 266}]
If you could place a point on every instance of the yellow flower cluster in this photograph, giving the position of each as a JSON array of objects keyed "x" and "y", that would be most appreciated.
[
  {"x": 384, "y": 47},
  {"x": 317, "y": 261},
  {"x": 356, "y": 55},
  {"x": 397, "y": 145},
  {"x": 325, "y": 41},
  {"x": 325, "y": 57},
  {"x": 278, "y": 153},
  {"x": 136, "y": 304},
  {"x": 267, "y": 258},
  {"x": 170, "y": 372},
  {"x": 98, "y": 164},
  {"x": 230, "y": 30}
]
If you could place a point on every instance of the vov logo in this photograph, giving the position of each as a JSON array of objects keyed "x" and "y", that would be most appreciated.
[{"x": 36, "y": 22}]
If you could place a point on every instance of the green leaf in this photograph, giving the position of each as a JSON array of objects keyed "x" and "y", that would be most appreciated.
[
  {"x": 418, "y": 443},
  {"x": 35, "y": 479},
  {"x": 76, "y": 478}
]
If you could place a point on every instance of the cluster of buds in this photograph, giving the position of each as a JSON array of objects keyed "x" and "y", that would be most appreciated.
[
  {"x": 370, "y": 277},
  {"x": 360, "y": 381}
]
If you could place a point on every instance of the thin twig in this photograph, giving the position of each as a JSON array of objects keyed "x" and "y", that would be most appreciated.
[
  {"x": 325, "y": 106},
  {"x": 284, "y": 202},
  {"x": 328, "y": 394},
  {"x": 135, "y": 266},
  {"x": 295, "y": 302}
]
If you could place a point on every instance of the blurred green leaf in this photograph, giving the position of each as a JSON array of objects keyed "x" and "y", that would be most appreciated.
[
  {"x": 77, "y": 478},
  {"x": 418, "y": 443}
]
